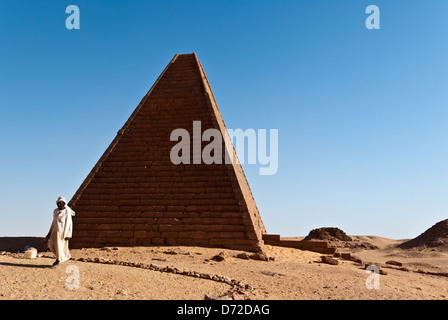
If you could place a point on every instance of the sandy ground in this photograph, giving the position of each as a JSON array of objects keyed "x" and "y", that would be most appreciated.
[
  {"x": 431, "y": 260},
  {"x": 292, "y": 274}
]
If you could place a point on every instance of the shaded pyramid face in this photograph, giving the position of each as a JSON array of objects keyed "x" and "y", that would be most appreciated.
[{"x": 136, "y": 196}]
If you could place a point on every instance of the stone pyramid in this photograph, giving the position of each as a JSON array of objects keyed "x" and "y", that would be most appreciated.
[{"x": 136, "y": 196}]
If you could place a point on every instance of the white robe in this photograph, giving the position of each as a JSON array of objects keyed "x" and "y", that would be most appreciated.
[{"x": 61, "y": 229}]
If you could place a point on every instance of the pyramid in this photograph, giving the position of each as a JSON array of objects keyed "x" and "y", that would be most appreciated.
[
  {"x": 436, "y": 236},
  {"x": 136, "y": 196}
]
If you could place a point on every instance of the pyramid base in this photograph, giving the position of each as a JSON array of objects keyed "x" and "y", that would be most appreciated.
[{"x": 231, "y": 244}]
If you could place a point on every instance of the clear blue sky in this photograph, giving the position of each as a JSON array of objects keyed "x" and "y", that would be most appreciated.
[{"x": 362, "y": 114}]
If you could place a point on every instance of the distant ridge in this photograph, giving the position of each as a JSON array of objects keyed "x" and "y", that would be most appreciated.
[{"x": 436, "y": 236}]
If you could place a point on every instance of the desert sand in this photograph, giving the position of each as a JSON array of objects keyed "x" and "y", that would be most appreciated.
[{"x": 288, "y": 274}]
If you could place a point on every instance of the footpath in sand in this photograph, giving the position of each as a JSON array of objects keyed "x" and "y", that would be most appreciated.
[{"x": 288, "y": 274}]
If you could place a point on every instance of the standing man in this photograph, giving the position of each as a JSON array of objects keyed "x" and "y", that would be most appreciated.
[{"x": 60, "y": 232}]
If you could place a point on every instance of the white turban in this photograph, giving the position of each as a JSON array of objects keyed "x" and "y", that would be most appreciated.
[{"x": 61, "y": 199}]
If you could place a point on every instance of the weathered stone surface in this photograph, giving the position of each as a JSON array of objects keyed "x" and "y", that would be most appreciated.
[
  {"x": 346, "y": 256},
  {"x": 331, "y": 234},
  {"x": 394, "y": 263},
  {"x": 316, "y": 246},
  {"x": 136, "y": 196},
  {"x": 243, "y": 255},
  {"x": 259, "y": 256},
  {"x": 329, "y": 260},
  {"x": 220, "y": 256}
]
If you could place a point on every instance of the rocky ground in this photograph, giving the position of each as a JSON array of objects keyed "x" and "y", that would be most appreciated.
[{"x": 187, "y": 273}]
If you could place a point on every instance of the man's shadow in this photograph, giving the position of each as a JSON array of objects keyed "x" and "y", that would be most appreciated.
[{"x": 9, "y": 264}]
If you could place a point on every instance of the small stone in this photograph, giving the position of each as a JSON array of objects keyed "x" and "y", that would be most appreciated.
[
  {"x": 346, "y": 256},
  {"x": 329, "y": 260},
  {"x": 394, "y": 263},
  {"x": 122, "y": 292},
  {"x": 243, "y": 255},
  {"x": 171, "y": 270},
  {"x": 170, "y": 252},
  {"x": 220, "y": 257},
  {"x": 259, "y": 256}
]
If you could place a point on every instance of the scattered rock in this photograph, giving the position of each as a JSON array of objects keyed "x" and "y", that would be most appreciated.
[
  {"x": 358, "y": 260},
  {"x": 369, "y": 263},
  {"x": 366, "y": 245},
  {"x": 220, "y": 256},
  {"x": 270, "y": 273},
  {"x": 170, "y": 252},
  {"x": 216, "y": 297},
  {"x": 236, "y": 286},
  {"x": 171, "y": 270},
  {"x": 329, "y": 260},
  {"x": 185, "y": 253},
  {"x": 394, "y": 263},
  {"x": 159, "y": 259},
  {"x": 122, "y": 292},
  {"x": 346, "y": 256},
  {"x": 243, "y": 255},
  {"x": 259, "y": 256}
]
